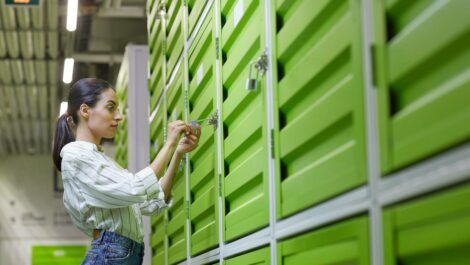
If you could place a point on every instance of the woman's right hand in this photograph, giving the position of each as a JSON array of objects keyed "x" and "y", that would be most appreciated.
[{"x": 175, "y": 129}]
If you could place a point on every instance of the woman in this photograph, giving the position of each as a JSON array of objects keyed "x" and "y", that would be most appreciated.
[{"x": 105, "y": 201}]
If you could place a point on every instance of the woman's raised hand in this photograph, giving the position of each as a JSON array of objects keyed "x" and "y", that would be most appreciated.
[
  {"x": 190, "y": 141},
  {"x": 175, "y": 129}
]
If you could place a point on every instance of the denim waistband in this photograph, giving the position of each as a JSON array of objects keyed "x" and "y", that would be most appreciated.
[{"x": 111, "y": 237}]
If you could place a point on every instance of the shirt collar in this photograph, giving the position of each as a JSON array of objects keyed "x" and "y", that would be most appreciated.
[{"x": 90, "y": 146}]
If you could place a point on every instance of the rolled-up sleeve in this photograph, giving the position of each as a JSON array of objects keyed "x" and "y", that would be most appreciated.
[
  {"x": 105, "y": 185},
  {"x": 154, "y": 206}
]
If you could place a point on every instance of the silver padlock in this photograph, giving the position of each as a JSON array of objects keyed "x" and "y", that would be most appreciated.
[{"x": 261, "y": 66}]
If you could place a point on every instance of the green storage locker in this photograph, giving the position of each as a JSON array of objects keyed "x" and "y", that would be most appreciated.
[
  {"x": 157, "y": 131},
  {"x": 256, "y": 257},
  {"x": 176, "y": 229},
  {"x": 157, "y": 239},
  {"x": 57, "y": 255},
  {"x": 203, "y": 183},
  {"x": 431, "y": 230},
  {"x": 422, "y": 73},
  {"x": 174, "y": 33},
  {"x": 343, "y": 243},
  {"x": 245, "y": 182},
  {"x": 195, "y": 8},
  {"x": 320, "y": 130},
  {"x": 157, "y": 64}
]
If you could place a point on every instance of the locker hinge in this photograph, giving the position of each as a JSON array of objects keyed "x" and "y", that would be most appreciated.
[
  {"x": 220, "y": 185},
  {"x": 373, "y": 57},
  {"x": 187, "y": 210},
  {"x": 217, "y": 48},
  {"x": 186, "y": 101},
  {"x": 272, "y": 143},
  {"x": 185, "y": 2}
]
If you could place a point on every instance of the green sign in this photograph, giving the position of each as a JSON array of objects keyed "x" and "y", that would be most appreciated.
[{"x": 27, "y": 3}]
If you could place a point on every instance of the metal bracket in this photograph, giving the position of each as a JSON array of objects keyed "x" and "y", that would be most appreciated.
[{"x": 261, "y": 66}]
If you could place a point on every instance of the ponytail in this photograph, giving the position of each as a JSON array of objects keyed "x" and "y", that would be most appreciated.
[{"x": 63, "y": 136}]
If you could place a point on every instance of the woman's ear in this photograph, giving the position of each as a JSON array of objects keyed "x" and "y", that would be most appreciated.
[{"x": 84, "y": 111}]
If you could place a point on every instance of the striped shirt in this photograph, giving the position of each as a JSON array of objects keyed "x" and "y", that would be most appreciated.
[{"x": 99, "y": 194}]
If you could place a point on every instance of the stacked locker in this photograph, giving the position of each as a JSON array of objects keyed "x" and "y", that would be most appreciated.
[
  {"x": 203, "y": 182},
  {"x": 245, "y": 179},
  {"x": 291, "y": 173},
  {"x": 120, "y": 138},
  {"x": 157, "y": 124},
  {"x": 422, "y": 74},
  {"x": 176, "y": 227}
]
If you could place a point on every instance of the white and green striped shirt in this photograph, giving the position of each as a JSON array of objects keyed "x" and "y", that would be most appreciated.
[{"x": 99, "y": 194}]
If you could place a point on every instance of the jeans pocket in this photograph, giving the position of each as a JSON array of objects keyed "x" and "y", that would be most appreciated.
[
  {"x": 90, "y": 259},
  {"x": 117, "y": 252}
]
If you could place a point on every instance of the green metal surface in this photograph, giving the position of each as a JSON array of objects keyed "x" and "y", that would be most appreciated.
[
  {"x": 195, "y": 8},
  {"x": 343, "y": 243},
  {"x": 157, "y": 129},
  {"x": 320, "y": 130},
  {"x": 174, "y": 32},
  {"x": 431, "y": 230},
  {"x": 157, "y": 239},
  {"x": 245, "y": 182},
  {"x": 203, "y": 206},
  {"x": 257, "y": 257},
  {"x": 176, "y": 229},
  {"x": 57, "y": 255},
  {"x": 422, "y": 72}
]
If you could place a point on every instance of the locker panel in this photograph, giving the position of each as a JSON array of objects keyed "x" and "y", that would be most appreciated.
[
  {"x": 430, "y": 230},
  {"x": 176, "y": 229},
  {"x": 245, "y": 184},
  {"x": 195, "y": 8},
  {"x": 174, "y": 35},
  {"x": 157, "y": 129},
  {"x": 157, "y": 238},
  {"x": 157, "y": 83},
  {"x": 344, "y": 243},
  {"x": 156, "y": 46},
  {"x": 320, "y": 135},
  {"x": 203, "y": 206},
  {"x": 423, "y": 75},
  {"x": 258, "y": 257}
]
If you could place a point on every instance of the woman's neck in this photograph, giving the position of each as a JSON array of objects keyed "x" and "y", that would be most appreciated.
[{"x": 84, "y": 134}]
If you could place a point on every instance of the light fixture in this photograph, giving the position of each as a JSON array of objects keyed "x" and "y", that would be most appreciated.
[
  {"x": 72, "y": 9},
  {"x": 68, "y": 70},
  {"x": 63, "y": 107}
]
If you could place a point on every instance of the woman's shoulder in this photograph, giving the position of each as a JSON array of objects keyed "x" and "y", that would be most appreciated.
[{"x": 76, "y": 149}]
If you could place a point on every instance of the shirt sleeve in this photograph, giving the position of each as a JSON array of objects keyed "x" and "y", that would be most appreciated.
[
  {"x": 105, "y": 185},
  {"x": 155, "y": 206}
]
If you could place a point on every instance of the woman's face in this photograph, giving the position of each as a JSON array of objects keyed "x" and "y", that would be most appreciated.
[{"x": 103, "y": 119}]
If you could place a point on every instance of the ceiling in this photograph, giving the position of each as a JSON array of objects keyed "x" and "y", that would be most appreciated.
[{"x": 33, "y": 45}]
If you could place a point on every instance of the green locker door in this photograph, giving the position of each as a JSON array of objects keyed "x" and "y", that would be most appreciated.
[
  {"x": 203, "y": 203},
  {"x": 431, "y": 230},
  {"x": 195, "y": 8},
  {"x": 174, "y": 33},
  {"x": 257, "y": 257},
  {"x": 157, "y": 239},
  {"x": 157, "y": 130},
  {"x": 343, "y": 243},
  {"x": 422, "y": 71},
  {"x": 157, "y": 63},
  {"x": 244, "y": 120},
  {"x": 320, "y": 135},
  {"x": 176, "y": 230},
  {"x": 57, "y": 255}
]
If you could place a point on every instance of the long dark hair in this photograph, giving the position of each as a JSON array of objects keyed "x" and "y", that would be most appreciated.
[{"x": 85, "y": 91}]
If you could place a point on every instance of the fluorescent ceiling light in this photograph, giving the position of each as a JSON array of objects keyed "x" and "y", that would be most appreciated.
[
  {"x": 63, "y": 107},
  {"x": 68, "y": 70},
  {"x": 72, "y": 9}
]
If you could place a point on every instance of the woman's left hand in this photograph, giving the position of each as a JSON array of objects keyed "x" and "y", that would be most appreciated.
[{"x": 190, "y": 141}]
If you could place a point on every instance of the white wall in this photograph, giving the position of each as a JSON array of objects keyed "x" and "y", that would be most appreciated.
[{"x": 30, "y": 211}]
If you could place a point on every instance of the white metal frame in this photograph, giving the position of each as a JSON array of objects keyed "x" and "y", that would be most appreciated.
[{"x": 448, "y": 168}]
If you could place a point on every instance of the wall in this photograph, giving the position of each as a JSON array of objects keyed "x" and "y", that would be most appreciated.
[{"x": 31, "y": 212}]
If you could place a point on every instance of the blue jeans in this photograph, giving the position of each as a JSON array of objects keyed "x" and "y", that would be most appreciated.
[{"x": 114, "y": 249}]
